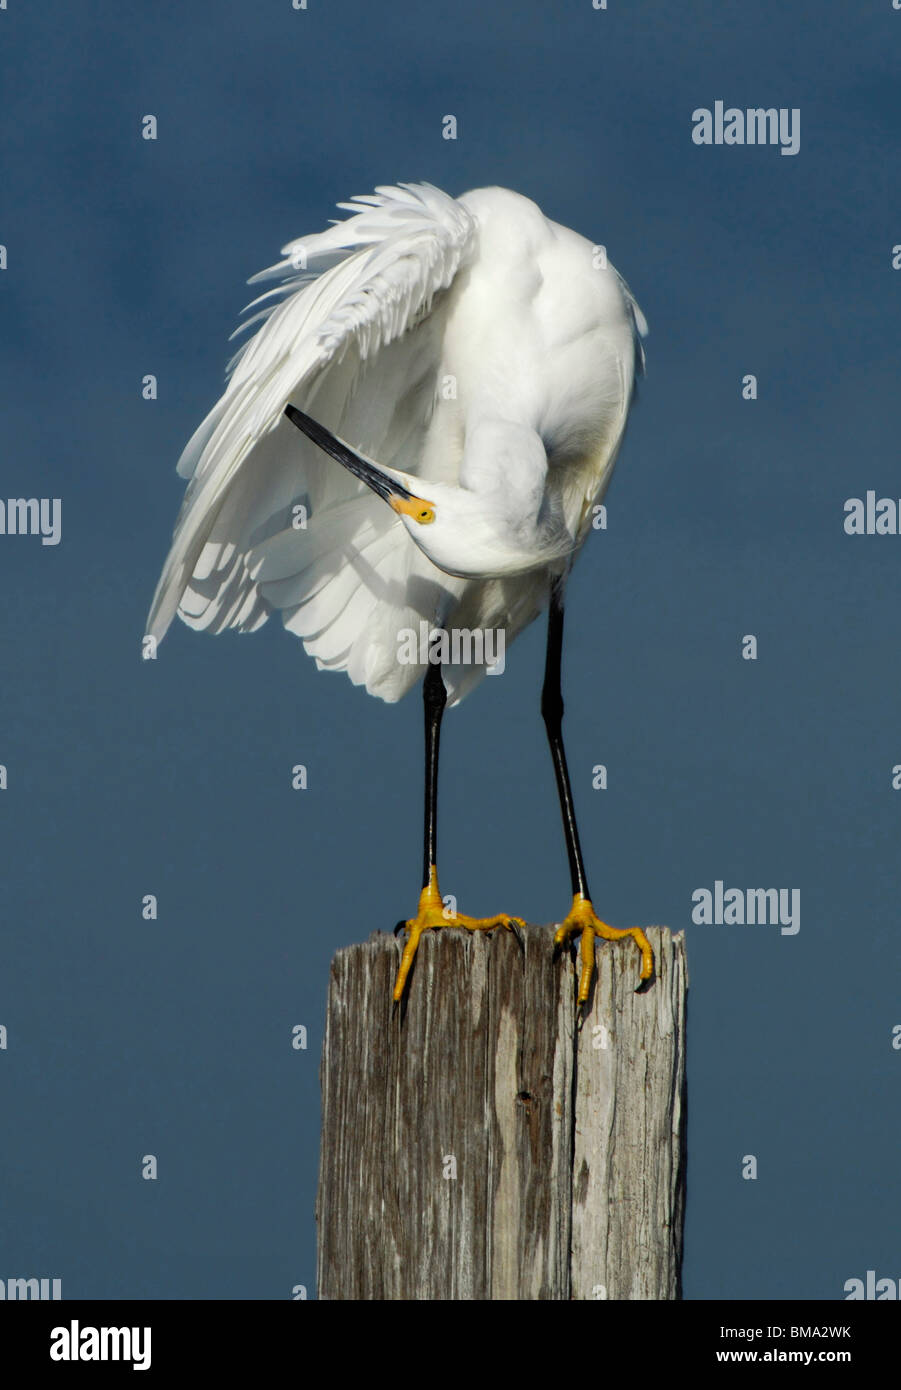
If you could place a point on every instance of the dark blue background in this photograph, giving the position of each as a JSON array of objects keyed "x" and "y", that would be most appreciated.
[{"x": 127, "y": 257}]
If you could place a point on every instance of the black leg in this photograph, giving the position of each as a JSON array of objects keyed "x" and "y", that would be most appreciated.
[
  {"x": 432, "y": 913},
  {"x": 434, "y": 698},
  {"x": 552, "y": 713}
]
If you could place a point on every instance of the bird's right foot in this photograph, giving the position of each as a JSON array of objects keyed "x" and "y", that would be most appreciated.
[{"x": 432, "y": 915}]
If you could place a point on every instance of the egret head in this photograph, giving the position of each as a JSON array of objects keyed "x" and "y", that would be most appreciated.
[{"x": 466, "y": 534}]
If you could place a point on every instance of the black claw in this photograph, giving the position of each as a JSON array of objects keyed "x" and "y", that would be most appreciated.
[
  {"x": 518, "y": 934},
  {"x": 401, "y": 926}
]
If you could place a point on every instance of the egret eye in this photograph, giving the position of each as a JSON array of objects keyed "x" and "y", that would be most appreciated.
[{"x": 418, "y": 509}]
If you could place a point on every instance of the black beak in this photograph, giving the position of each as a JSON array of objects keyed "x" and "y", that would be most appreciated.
[{"x": 381, "y": 484}]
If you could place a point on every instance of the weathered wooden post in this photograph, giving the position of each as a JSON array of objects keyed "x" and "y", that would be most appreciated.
[{"x": 480, "y": 1146}]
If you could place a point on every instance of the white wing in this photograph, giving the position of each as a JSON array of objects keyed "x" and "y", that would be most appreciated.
[{"x": 356, "y": 341}]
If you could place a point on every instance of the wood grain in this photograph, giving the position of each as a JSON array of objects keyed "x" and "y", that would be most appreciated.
[{"x": 476, "y": 1145}]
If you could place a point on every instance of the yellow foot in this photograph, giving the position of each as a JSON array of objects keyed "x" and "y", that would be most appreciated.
[
  {"x": 583, "y": 918},
  {"x": 430, "y": 916}
]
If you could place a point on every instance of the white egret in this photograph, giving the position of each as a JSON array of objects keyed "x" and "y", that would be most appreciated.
[{"x": 417, "y": 433}]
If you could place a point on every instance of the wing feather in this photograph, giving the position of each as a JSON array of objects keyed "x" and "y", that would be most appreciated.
[{"x": 363, "y": 286}]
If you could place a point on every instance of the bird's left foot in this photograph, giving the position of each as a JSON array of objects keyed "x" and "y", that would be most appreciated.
[
  {"x": 432, "y": 915},
  {"x": 583, "y": 918}
]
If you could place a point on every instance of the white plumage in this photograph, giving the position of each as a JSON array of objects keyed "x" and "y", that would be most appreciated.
[{"x": 470, "y": 344}]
